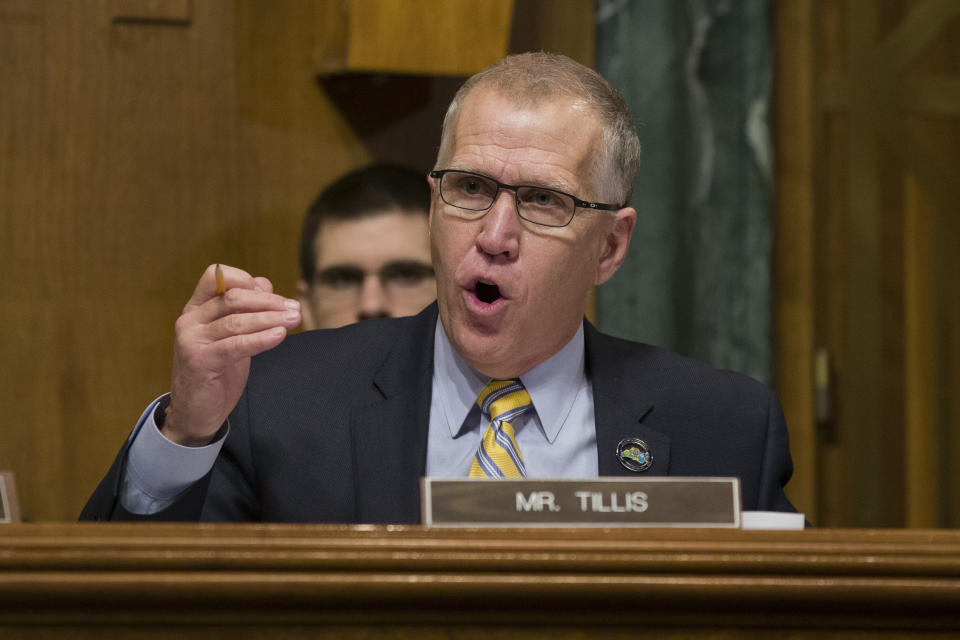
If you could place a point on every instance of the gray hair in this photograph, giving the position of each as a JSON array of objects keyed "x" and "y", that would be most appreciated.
[{"x": 531, "y": 78}]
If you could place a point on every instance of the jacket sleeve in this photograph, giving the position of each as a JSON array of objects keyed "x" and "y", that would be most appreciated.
[
  {"x": 191, "y": 505},
  {"x": 777, "y": 465},
  {"x": 104, "y": 504}
]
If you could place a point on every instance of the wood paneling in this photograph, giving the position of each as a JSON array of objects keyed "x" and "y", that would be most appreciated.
[
  {"x": 794, "y": 247},
  {"x": 923, "y": 356},
  {"x": 555, "y": 25},
  {"x": 170, "y": 11},
  {"x": 454, "y": 37},
  {"x": 886, "y": 139},
  {"x": 134, "y": 154}
]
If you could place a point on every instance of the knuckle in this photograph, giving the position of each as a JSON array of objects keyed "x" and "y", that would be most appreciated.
[
  {"x": 233, "y": 325},
  {"x": 242, "y": 343},
  {"x": 181, "y": 326},
  {"x": 238, "y": 346}
]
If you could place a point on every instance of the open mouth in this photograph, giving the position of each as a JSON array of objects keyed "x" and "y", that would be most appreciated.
[{"x": 487, "y": 292}]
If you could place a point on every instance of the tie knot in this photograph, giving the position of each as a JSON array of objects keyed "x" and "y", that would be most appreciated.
[{"x": 504, "y": 400}]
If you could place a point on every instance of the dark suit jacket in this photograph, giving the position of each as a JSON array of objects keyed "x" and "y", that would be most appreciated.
[{"x": 332, "y": 427}]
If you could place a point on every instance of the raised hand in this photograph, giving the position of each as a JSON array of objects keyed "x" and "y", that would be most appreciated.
[{"x": 216, "y": 335}]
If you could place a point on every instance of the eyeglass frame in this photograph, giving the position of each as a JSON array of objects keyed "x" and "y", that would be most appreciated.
[
  {"x": 577, "y": 202},
  {"x": 355, "y": 284}
]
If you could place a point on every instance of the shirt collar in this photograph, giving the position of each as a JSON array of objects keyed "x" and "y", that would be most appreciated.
[{"x": 553, "y": 384}]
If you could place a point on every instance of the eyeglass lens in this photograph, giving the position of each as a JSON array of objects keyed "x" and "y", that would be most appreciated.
[
  {"x": 399, "y": 274},
  {"x": 536, "y": 204}
]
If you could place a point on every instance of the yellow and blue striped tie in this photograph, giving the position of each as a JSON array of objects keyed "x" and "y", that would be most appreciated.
[{"x": 498, "y": 455}]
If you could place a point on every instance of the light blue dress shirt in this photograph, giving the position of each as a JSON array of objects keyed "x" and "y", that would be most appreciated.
[{"x": 557, "y": 440}]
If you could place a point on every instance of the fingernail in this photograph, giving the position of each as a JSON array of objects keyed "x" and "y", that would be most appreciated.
[
  {"x": 291, "y": 303},
  {"x": 291, "y": 315}
]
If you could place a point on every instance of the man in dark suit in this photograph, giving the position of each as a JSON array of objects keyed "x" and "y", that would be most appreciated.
[{"x": 528, "y": 212}]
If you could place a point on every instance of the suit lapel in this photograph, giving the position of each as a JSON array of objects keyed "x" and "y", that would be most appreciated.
[
  {"x": 390, "y": 436},
  {"x": 622, "y": 399}
]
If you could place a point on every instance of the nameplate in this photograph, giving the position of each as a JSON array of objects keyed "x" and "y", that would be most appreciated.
[
  {"x": 9, "y": 509},
  {"x": 601, "y": 502}
]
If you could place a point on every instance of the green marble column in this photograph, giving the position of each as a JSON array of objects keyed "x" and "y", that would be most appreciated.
[{"x": 697, "y": 75}]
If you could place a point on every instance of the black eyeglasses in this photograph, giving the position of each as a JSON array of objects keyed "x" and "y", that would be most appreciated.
[
  {"x": 399, "y": 275},
  {"x": 474, "y": 192}
]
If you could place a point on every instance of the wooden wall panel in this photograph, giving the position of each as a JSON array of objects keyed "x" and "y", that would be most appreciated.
[
  {"x": 135, "y": 153},
  {"x": 561, "y": 26},
  {"x": 885, "y": 234},
  {"x": 794, "y": 248},
  {"x": 456, "y": 37},
  {"x": 934, "y": 375}
]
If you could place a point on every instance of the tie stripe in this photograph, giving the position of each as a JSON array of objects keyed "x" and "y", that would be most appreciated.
[
  {"x": 498, "y": 455},
  {"x": 495, "y": 390}
]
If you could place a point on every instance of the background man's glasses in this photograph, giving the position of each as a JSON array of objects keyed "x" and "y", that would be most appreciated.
[
  {"x": 472, "y": 194},
  {"x": 398, "y": 275}
]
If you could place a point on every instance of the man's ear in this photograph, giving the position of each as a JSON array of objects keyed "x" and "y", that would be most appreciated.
[
  {"x": 306, "y": 310},
  {"x": 616, "y": 241}
]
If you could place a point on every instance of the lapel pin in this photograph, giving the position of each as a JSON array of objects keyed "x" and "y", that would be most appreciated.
[{"x": 634, "y": 454}]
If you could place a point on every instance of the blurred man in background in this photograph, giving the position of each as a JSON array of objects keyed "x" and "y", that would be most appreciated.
[{"x": 365, "y": 249}]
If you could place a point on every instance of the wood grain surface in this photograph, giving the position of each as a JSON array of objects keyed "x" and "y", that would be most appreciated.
[{"x": 365, "y": 581}]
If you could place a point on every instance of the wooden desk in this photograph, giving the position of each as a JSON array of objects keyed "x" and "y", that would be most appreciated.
[{"x": 296, "y": 581}]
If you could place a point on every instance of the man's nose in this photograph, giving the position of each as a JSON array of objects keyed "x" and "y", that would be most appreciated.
[
  {"x": 373, "y": 298},
  {"x": 501, "y": 226}
]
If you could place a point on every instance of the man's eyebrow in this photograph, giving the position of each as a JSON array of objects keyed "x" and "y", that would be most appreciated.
[
  {"x": 407, "y": 262},
  {"x": 556, "y": 185},
  {"x": 406, "y": 268},
  {"x": 340, "y": 265},
  {"x": 345, "y": 269},
  {"x": 547, "y": 183}
]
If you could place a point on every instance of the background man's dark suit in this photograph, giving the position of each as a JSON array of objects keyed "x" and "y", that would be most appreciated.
[{"x": 332, "y": 427}]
